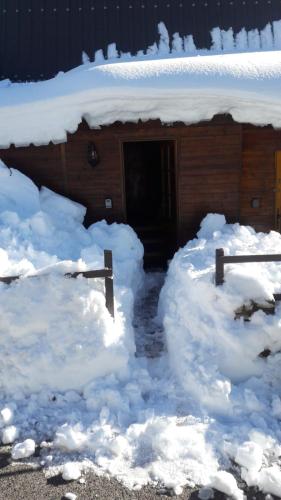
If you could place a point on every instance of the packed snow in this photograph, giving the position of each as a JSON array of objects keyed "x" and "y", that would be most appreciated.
[
  {"x": 71, "y": 471},
  {"x": 205, "y": 413},
  {"x": 171, "y": 84},
  {"x": 23, "y": 450},
  {"x": 61, "y": 336}
]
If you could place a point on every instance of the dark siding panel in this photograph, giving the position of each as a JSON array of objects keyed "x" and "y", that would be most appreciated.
[
  {"x": 258, "y": 176},
  {"x": 41, "y": 37},
  {"x": 64, "y": 47}
]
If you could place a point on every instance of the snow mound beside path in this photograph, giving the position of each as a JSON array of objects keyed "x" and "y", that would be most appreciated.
[
  {"x": 208, "y": 348},
  {"x": 214, "y": 354}
]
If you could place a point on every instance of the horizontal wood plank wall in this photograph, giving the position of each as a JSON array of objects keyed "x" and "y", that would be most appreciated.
[
  {"x": 209, "y": 175},
  {"x": 41, "y": 163},
  {"x": 92, "y": 185},
  {"x": 258, "y": 176},
  {"x": 208, "y": 167}
]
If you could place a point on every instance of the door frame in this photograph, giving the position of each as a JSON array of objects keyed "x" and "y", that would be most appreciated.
[
  {"x": 174, "y": 140},
  {"x": 277, "y": 201}
]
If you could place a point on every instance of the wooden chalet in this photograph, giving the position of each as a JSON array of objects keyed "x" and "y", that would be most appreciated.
[{"x": 162, "y": 180}]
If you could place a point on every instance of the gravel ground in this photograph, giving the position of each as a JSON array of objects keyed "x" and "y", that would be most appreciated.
[{"x": 20, "y": 481}]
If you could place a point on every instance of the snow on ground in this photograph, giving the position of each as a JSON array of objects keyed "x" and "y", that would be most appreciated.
[
  {"x": 61, "y": 336},
  {"x": 215, "y": 357},
  {"x": 172, "y": 89},
  {"x": 207, "y": 410}
]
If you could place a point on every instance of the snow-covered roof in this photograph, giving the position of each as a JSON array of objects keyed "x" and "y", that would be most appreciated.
[{"x": 187, "y": 89}]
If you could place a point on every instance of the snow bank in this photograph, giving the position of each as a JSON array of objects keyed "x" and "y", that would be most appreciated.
[
  {"x": 215, "y": 354},
  {"x": 208, "y": 348},
  {"x": 186, "y": 89},
  {"x": 56, "y": 332}
]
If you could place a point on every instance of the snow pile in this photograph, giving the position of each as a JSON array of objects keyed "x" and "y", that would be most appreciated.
[
  {"x": 225, "y": 482},
  {"x": 56, "y": 332},
  {"x": 208, "y": 348},
  {"x": 215, "y": 354},
  {"x": 186, "y": 89}
]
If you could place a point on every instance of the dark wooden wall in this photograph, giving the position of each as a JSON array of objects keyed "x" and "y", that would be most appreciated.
[
  {"x": 258, "y": 176},
  {"x": 38, "y": 38},
  {"x": 209, "y": 170},
  {"x": 220, "y": 167}
]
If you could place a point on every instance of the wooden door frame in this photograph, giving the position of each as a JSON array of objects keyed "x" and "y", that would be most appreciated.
[
  {"x": 130, "y": 138},
  {"x": 277, "y": 201}
]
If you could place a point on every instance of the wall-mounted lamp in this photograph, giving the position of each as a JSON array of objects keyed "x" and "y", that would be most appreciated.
[{"x": 93, "y": 156}]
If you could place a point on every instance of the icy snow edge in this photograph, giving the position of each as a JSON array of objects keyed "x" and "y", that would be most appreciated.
[{"x": 185, "y": 89}]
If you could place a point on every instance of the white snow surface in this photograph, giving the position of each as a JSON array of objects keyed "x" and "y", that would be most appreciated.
[
  {"x": 23, "y": 450},
  {"x": 186, "y": 89},
  {"x": 61, "y": 336},
  {"x": 70, "y": 381},
  {"x": 215, "y": 357},
  {"x": 71, "y": 471}
]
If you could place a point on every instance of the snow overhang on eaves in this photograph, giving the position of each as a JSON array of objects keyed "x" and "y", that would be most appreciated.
[{"x": 187, "y": 89}]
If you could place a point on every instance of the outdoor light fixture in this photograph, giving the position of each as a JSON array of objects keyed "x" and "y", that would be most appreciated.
[{"x": 93, "y": 156}]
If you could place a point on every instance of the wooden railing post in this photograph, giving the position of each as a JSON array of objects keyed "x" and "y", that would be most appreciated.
[
  {"x": 219, "y": 266},
  {"x": 106, "y": 273},
  {"x": 109, "y": 294}
]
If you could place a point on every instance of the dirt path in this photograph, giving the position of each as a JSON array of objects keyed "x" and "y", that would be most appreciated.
[{"x": 148, "y": 331}]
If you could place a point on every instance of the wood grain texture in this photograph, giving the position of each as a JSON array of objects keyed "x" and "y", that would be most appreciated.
[
  {"x": 220, "y": 167},
  {"x": 258, "y": 178}
]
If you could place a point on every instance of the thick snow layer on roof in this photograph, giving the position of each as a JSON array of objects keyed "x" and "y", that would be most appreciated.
[{"x": 187, "y": 89}]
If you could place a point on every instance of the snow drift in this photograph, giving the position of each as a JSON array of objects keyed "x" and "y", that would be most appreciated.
[
  {"x": 185, "y": 89},
  {"x": 208, "y": 348},
  {"x": 56, "y": 332},
  {"x": 215, "y": 354}
]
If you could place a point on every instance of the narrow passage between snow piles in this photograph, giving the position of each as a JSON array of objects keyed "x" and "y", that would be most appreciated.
[{"x": 149, "y": 334}]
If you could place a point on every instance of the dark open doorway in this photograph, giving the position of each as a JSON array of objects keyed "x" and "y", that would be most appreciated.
[{"x": 151, "y": 196}]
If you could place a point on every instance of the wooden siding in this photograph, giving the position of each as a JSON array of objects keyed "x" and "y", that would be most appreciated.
[
  {"x": 209, "y": 175},
  {"x": 258, "y": 176},
  {"x": 221, "y": 166},
  {"x": 41, "y": 163},
  {"x": 208, "y": 167}
]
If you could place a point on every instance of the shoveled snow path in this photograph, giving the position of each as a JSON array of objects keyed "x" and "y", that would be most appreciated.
[{"x": 148, "y": 329}]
